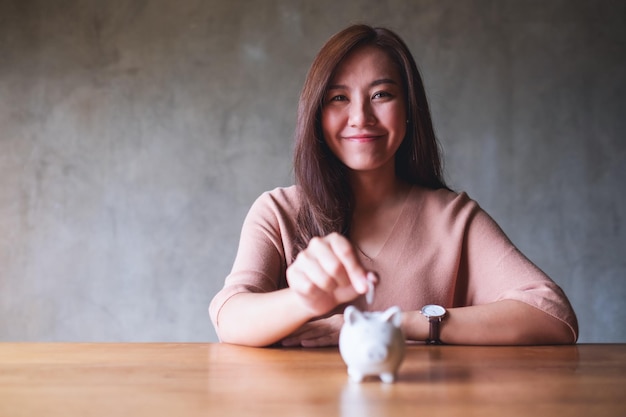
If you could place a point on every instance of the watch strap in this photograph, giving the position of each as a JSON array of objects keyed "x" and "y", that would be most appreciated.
[{"x": 433, "y": 335}]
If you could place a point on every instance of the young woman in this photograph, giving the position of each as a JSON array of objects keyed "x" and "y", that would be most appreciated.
[{"x": 370, "y": 207}]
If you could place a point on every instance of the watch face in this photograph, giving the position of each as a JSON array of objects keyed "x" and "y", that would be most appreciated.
[{"x": 432, "y": 310}]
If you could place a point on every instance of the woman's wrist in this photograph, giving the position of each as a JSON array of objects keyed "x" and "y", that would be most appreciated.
[{"x": 414, "y": 326}]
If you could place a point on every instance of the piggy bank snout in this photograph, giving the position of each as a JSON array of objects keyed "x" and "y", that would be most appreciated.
[{"x": 376, "y": 353}]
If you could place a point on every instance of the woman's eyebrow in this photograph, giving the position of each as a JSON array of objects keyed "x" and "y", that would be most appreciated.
[
  {"x": 372, "y": 84},
  {"x": 337, "y": 87},
  {"x": 383, "y": 81}
]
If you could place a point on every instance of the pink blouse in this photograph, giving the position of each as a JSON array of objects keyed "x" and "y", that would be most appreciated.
[{"x": 444, "y": 249}]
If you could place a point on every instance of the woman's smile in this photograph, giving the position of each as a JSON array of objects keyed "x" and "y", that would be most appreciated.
[{"x": 363, "y": 138}]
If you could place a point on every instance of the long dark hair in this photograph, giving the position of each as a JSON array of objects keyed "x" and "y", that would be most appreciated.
[{"x": 326, "y": 196}]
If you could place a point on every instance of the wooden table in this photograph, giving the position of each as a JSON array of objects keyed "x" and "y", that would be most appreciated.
[{"x": 164, "y": 379}]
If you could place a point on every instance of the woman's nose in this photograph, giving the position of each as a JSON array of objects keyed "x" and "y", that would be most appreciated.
[{"x": 361, "y": 114}]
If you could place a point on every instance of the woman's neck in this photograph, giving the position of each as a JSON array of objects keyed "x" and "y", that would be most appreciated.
[
  {"x": 373, "y": 190},
  {"x": 378, "y": 203}
]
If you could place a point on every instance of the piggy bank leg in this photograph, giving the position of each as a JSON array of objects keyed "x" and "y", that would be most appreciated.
[
  {"x": 387, "y": 378},
  {"x": 355, "y": 376}
]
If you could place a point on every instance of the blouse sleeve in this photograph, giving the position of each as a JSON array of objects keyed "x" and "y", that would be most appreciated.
[
  {"x": 260, "y": 263},
  {"x": 496, "y": 270}
]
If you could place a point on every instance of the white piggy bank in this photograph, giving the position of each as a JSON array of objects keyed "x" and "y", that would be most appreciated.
[{"x": 372, "y": 343}]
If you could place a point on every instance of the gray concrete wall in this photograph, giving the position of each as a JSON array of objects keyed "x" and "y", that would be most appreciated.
[{"x": 134, "y": 135}]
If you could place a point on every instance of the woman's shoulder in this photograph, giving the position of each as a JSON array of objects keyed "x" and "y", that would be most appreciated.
[
  {"x": 281, "y": 195},
  {"x": 443, "y": 207},
  {"x": 442, "y": 198},
  {"x": 283, "y": 200}
]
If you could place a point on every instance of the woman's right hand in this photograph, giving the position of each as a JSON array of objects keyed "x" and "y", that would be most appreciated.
[{"x": 327, "y": 273}]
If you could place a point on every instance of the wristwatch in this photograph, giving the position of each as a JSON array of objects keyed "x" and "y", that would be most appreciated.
[{"x": 434, "y": 313}]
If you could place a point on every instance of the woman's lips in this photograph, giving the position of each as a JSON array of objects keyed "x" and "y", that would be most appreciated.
[{"x": 362, "y": 138}]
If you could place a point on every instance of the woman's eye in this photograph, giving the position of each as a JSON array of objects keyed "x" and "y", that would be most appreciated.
[
  {"x": 381, "y": 94},
  {"x": 338, "y": 98}
]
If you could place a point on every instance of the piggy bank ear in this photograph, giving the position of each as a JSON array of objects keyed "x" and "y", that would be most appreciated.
[
  {"x": 393, "y": 315},
  {"x": 351, "y": 314}
]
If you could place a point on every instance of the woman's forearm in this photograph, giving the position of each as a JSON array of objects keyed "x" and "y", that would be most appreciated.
[
  {"x": 506, "y": 322},
  {"x": 260, "y": 319}
]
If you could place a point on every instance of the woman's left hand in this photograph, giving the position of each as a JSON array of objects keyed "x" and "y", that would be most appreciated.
[{"x": 317, "y": 333}]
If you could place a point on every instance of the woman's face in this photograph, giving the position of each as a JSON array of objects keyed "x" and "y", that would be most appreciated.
[{"x": 364, "y": 113}]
